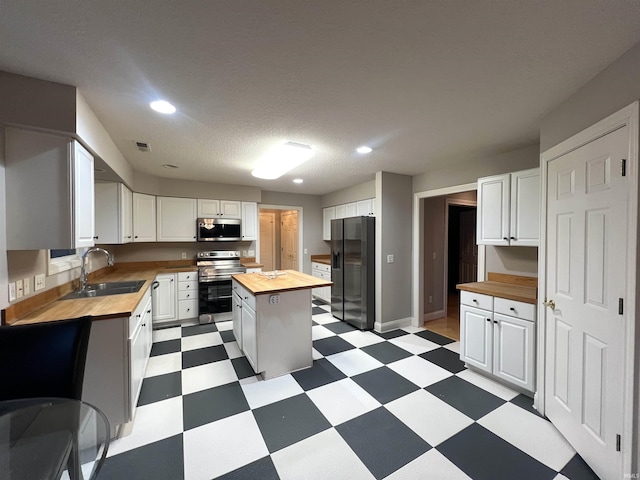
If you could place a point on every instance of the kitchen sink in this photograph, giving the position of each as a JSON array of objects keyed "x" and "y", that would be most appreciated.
[{"x": 106, "y": 288}]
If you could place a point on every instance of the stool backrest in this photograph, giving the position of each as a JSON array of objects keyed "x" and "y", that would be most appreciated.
[{"x": 44, "y": 360}]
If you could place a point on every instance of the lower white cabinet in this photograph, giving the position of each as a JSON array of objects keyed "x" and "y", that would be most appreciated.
[
  {"x": 237, "y": 318},
  {"x": 163, "y": 293},
  {"x": 497, "y": 336},
  {"x": 323, "y": 271},
  {"x": 117, "y": 359},
  {"x": 250, "y": 334},
  {"x": 187, "y": 295}
]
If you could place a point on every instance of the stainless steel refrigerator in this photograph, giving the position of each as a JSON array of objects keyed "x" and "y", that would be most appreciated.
[{"x": 353, "y": 271}]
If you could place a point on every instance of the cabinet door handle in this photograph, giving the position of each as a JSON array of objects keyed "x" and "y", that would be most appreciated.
[
  {"x": 488, "y": 320},
  {"x": 495, "y": 321},
  {"x": 512, "y": 309},
  {"x": 512, "y": 238},
  {"x": 505, "y": 238},
  {"x": 155, "y": 284},
  {"x": 148, "y": 311},
  {"x": 474, "y": 300}
]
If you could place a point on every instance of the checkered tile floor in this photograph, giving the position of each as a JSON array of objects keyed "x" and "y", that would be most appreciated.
[{"x": 398, "y": 405}]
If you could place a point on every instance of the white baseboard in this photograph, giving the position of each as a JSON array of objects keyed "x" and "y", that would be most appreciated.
[
  {"x": 392, "y": 325},
  {"x": 434, "y": 315}
]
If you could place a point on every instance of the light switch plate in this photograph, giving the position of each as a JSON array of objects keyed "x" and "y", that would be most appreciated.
[
  {"x": 26, "y": 285},
  {"x": 12, "y": 291},
  {"x": 390, "y": 259},
  {"x": 38, "y": 282},
  {"x": 19, "y": 291}
]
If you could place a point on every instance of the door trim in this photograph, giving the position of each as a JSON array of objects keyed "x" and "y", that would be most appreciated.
[
  {"x": 417, "y": 295},
  {"x": 627, "y": 116}
]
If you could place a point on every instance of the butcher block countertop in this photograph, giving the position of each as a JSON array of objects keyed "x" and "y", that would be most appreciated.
[
  {"x": 292, "y": 280},
  {"x": 511, "y": 287},
  {"x": 100, "y": 308},
  {"x": 326, "y": 259}
]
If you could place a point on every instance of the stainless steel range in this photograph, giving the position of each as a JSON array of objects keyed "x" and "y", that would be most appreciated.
[{"x": 215, "y": 298}]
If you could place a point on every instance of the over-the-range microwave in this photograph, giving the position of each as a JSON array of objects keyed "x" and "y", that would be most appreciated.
[{"x": 219, "y": 229}]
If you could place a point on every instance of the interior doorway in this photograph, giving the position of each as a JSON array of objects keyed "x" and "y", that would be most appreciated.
[
  {"x": 451, "y": 257},
  {"x": 280, "y": 239}
]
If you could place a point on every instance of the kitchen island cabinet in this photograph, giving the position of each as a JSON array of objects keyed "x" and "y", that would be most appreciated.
[{"x": 272, "y": 320}]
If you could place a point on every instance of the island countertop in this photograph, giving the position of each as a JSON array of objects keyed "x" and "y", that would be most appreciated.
[{"x": 259, "y": 284}]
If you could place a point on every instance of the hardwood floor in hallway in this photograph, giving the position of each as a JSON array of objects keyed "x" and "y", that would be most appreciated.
[{"x": 448, "y": 326}]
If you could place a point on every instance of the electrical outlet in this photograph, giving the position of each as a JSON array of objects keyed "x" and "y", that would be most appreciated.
[
  {"x": 305, "y": 251},
  {"x": 252, "y": 253},
  {"x": 274, "y": 299},
  {"x": 434, "y": 256},
  {"x": 26, "y": 286},
  {"x": 390, "y": 259},
  {"x": 38, "y": 282},
  {"x": 12, "y": 291},
  {"x": 244, "y": 253},
  {"x": 19, "y": 290},
  {"x": 430, "y": 299},
  {"x": 184, "y": 255}
]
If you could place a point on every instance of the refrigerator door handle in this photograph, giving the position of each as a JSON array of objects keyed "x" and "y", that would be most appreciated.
[{"x": 335, "y": 260}]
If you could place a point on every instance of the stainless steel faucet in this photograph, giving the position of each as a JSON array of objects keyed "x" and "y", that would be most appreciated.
[{"x": 83, "y": 269}]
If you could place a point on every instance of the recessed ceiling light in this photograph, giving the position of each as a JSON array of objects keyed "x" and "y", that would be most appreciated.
[
  {"x": 298, "y": 180},
  {"x": 364, "y": 149},
  {"x": 170, "y": 165},
  {"x": 162, "y": 106},
  {"x": 281, "y": 159}
]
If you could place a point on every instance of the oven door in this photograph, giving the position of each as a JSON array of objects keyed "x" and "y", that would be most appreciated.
[{"x": 215, "y": 296}]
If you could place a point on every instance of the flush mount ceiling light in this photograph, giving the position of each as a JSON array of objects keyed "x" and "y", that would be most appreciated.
[
  {"x": 298, "y": 180},
  {"x": 282, "y": 159},
  {"x": 162, "y": 106},
  {"x": 364, "y": 149}
]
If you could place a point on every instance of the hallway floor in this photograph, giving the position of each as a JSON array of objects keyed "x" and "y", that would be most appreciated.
[
  {"x": 398, "y": 405},
  {"x": 448, "y": 326}
]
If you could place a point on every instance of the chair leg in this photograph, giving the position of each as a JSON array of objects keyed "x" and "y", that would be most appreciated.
[{"x": 73, "y": 464}]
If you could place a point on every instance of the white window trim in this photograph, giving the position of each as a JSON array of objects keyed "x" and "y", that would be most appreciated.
[{"x": 62, "y": 264}]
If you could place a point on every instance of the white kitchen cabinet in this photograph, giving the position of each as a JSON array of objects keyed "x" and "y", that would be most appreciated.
[
  {"x": 341, "y": 211},
  {"x": 219, "y": 208},
  {"x": 497, "y": 336},
  {"x": 351, "y": 209},
  {"x": 114, "y": 204},
  {"x": 249, "y": 334},
  {"x": 249, "y": 221},
  {"x": 144, "y": 218},
  {"x": 50, "y": 188},
  {"x": 176, "y": 219},
  {"x": 237, "y": 318},
  {"x": 328, "y": 214},
  {"x": 117, "y": 358},
  {"x": 366, "y": 208},
  {"x": 508, "y": 209},
  {"x": 164, "y": 298},
  {"x": 187, "y": 295},
  {"x": 323, "y": 271}
]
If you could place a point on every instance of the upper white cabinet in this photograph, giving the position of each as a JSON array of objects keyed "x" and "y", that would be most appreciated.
[
  {"x": 328, "y": 214},
  {"x": 114, "y": 204},
  {"x": 508, "y": 209},
  {"x": 219, "y": 208},
  {"x": 176, "y": 219},
  {"x": 366, "y": 208},
  {"x": 249, "y": 221},
  {"x": 49, "y": 186},
  {"x": 144, "y": 218}
]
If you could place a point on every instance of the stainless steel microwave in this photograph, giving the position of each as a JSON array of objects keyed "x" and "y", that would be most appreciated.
[{"x": 219, "y": 229}]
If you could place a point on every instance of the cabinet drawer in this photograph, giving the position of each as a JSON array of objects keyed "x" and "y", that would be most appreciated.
[
  {"x": 189, "y": 285},
  {"x": 138, "y": 313},
  {"x": 187, "y": 295},
  {"x": 320, "y": 267},
  {"x": 187, "y": 309},
  {"x": 187, "y": 276},
  {"x": 477, "y": 300},
  {"x": 248, "y": 298},
  {"x": 525, "y": 311}
]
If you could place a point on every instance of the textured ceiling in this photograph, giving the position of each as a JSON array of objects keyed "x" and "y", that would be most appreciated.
[{"x": 425, "y": 83}]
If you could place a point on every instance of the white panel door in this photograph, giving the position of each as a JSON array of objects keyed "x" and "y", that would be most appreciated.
[
  {"x": 586, "y": 271},
  {"x": 176, "y": 219},
  {"x": 250, "y": 335},
  {"x": 525, "y": 208},
  {"x": 363, "y": 208},
  {"x": 476, "y": 337},
  {"x": 208, "y": 208},
  {"x": 249, "y": 221},
  {"x": 513, "y": 355},
  {"x": 144, "y": 218},
  {"x": 493, "y": 210},
  {"x": 230, "y": 209}
]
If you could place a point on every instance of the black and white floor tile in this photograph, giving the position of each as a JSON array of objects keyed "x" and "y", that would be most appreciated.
[{"x": 398, "y": 405}]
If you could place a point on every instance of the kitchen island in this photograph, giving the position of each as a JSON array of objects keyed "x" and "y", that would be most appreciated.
[{"x": 272, "y": 320}]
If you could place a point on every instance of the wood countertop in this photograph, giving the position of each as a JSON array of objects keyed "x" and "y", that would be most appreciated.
[
  {"x": 292, "y": 280},
  {"x": 250, "y": 262},
  {"x": 511, "y": 287},
  {"x": 100, "y": 308},
  {"x": 326, "y": 259}
]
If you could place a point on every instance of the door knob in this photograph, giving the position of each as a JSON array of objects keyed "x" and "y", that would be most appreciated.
[{"x": 550, "y": 303}]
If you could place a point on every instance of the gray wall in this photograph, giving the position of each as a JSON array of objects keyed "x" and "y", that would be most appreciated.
[
  {"x": 513, "y": 260},
  {"x": 434, "y": 232},
  {"x": 612, "y": 89},
  {"x": 311, "y": 221},
  {"x": 393, "y": 237},
  {"x": 468, "y": 171},
  {"x": 362, "y": 191}
]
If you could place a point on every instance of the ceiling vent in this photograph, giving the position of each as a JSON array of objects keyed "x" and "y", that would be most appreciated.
[{"x": 143, "y": 146}]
